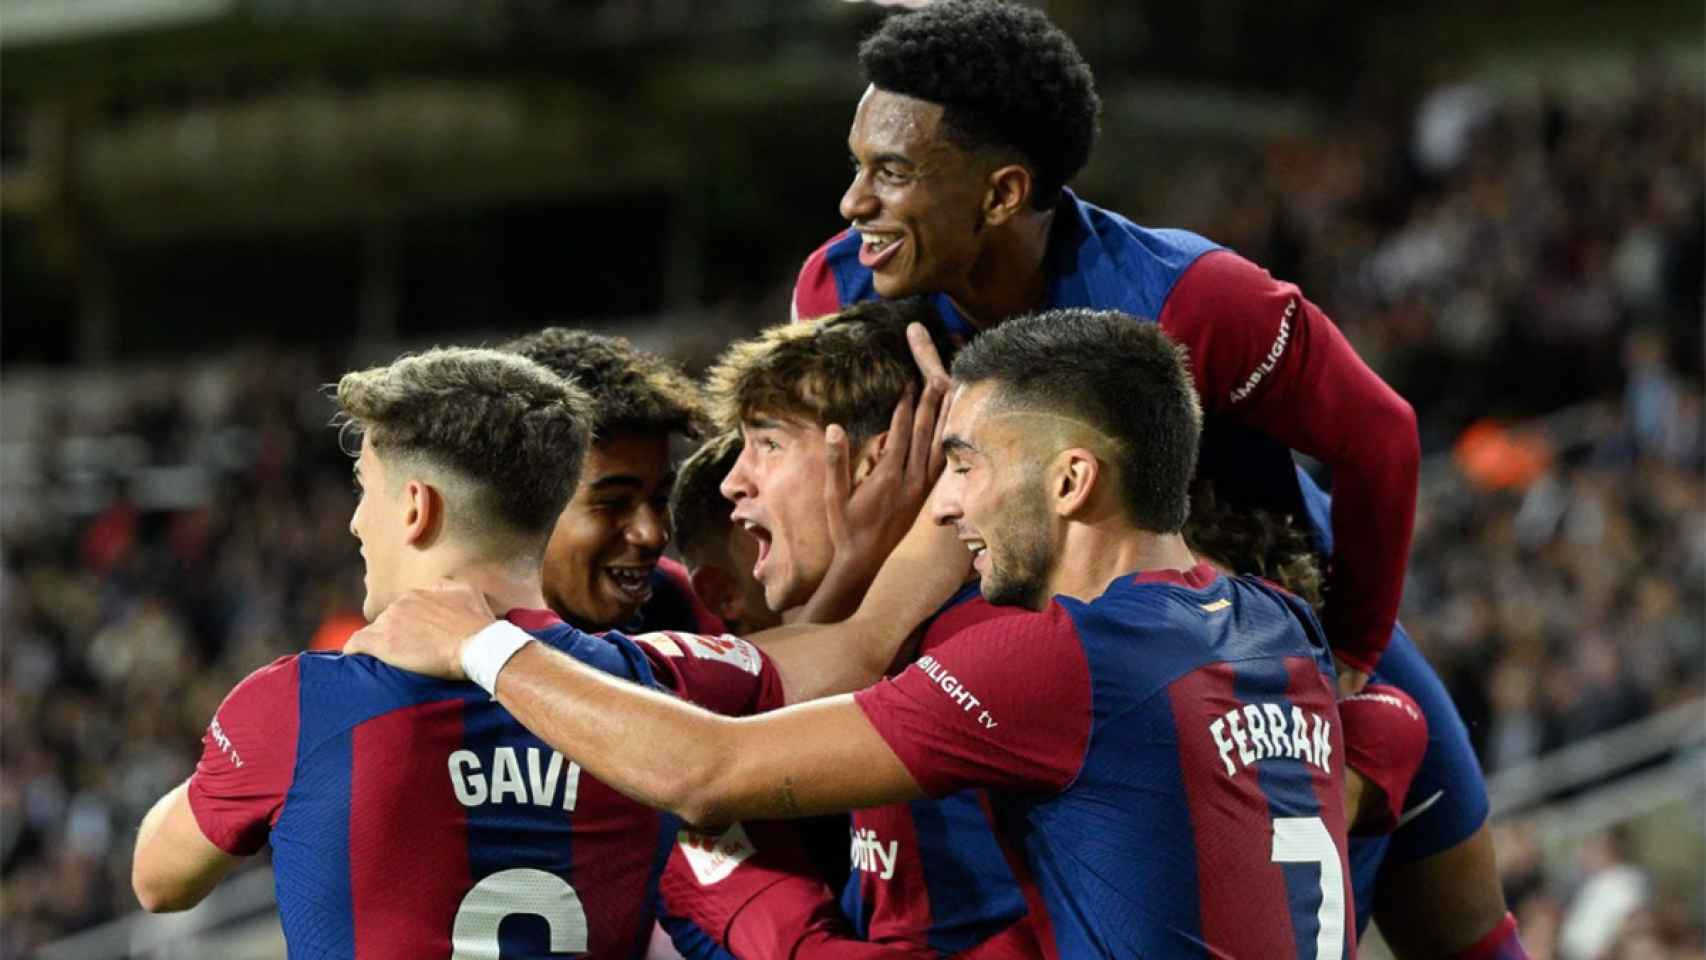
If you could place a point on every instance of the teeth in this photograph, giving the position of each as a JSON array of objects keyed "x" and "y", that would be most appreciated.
[
  {"x": 629, "y": 577},
  {"x": 877, "y": 241}
]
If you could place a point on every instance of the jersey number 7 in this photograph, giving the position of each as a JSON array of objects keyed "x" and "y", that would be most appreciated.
[{"x": 1306, "y": 840}]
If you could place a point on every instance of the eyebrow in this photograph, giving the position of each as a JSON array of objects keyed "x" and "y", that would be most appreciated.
[
  {"x": 763, "y": 423},
  {"x": 886, "y": 157},
  {"x": 954, "y": 443},
  {"x": 617, "y": 480}
]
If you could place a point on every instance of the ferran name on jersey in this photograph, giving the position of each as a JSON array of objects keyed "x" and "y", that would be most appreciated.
[
  {"x": 1260, "y": 731},
  {"x": 500, "y": 780}
]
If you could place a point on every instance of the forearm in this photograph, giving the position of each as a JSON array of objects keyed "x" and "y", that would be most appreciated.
[
  {"x": 1374, "y": 498},
  {"x": 644, "y": 743},
  {"x": 707, "y": 769}
]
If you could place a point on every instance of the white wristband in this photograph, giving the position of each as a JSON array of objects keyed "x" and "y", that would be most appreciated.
[{"x": 486, "y": 652}]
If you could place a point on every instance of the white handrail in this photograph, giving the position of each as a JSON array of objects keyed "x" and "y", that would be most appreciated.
[
  {"x": 1591, "y": 760},
  {"x": 243, "y": 896}
]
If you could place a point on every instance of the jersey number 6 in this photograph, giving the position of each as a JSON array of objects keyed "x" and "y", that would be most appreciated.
[
  {"x": 1306, "y": 840},
  {"x": 519, "y": 890}
]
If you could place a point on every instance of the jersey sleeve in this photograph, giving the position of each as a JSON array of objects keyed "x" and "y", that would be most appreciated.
[
  {"x": 1264, "y": 355},
  {"x": 751, "y": 891},
  {"x": 248, "y": 757},
  {"x": 1003, "y": 703},
  {"x": 1386, "y": 735},
  {"x": 815, "y": 293},
  {"x": 722, "y": 673}
]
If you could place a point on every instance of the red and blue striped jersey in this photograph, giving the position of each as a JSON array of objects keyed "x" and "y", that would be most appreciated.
[
  {"x": 935, "y": 874},
  {"x": 415, "y": 817},
  {"x": 1168, "y": 757},
  {"x": 1273, "y": 372}
]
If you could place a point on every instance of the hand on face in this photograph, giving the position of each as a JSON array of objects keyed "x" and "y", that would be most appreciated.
[
  {"x": 422, "y": 631},
  {"x": 865, "y": 523}
]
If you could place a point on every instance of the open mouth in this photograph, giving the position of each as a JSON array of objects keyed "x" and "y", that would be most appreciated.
[
  {"x": 979, "y": 553},
  {"x": 760, "y": 534},
  {"x": 633, "y": 583},
  {"x": 876, "y": 249}
]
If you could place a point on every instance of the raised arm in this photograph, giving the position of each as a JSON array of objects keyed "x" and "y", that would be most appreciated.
[{"x": 1267, "y": 357}]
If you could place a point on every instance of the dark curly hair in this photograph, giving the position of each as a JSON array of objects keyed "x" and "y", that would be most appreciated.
[
  {"x": 1266, "y": 544},
  {"x": 1005, "y": 76},
  {"x": 631, "y": 390}
]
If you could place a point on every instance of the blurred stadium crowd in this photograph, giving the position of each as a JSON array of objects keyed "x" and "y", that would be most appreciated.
[{"x": 1537, "y": 259}]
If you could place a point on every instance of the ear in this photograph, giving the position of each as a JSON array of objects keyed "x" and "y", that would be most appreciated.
[
  {"x": 1009, "y": 194},
  {"x": 715, "y": 588},
  {"x": 423, "y": 517},
  {"x": 1073, "y": 478},
  {"x": 866, "y": 457}
]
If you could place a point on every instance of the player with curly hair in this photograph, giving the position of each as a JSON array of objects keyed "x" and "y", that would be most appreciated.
[
  {"x": 604, "y": 565},
  {"x": 977, "y": 116}
]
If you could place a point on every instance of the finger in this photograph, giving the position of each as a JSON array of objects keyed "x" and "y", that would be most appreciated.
[
  {"x": 939, "y": 454},
  {"x": 925, "y": 355},
  {"x": 359, "y": 641},
  {"x": 836, "y": 482},
  {"x": 896, "y": 445},
  {"x": 926, "y": 421}
]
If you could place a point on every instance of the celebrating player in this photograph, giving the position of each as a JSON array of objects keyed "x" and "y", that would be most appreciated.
[
  {"x": 409, "y": 816},
  {"x": 1164, "y": 739},
  {"x": 977, "y": 115},
  {"x": 604, "y": 566}
]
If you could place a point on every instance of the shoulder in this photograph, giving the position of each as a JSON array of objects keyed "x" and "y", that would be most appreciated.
[
  {"x": 721, "y": 672},
  {"x": 831, "y": 277},
  {"x": 1221, "y": 279},
  {"x": 272, "y": 687}
]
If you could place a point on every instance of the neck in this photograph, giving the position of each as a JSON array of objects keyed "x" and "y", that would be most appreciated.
[
  {"x": 507, "y": 586},
  {"x": 1008, "y": 278},
  {"x": 1093, "y": 556}
]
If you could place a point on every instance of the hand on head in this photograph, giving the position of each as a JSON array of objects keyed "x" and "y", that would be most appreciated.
[{"x": 866, "y": 522}]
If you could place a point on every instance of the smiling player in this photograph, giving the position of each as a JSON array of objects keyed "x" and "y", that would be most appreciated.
[{"x": 1101, "y": 717}]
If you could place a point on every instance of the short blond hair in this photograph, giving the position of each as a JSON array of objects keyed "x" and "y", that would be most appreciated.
[
  {"x": 849, "y": 368},
  {"x": 502, "y": 435}
]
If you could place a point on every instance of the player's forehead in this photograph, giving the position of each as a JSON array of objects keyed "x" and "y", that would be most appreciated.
[
  {"x": 632, "y": 457},
  {"x": 789, "y": 422},
  {"x": 887, "y": 122},
  {"x": 969, "y": 418}
]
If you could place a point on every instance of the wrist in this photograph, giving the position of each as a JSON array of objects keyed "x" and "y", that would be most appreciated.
[{"x": 484, "y": 654}]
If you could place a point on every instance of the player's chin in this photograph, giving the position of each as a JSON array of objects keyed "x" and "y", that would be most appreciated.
[{"x": 894, "y": 282}]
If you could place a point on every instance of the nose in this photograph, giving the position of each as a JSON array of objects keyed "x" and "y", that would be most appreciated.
[
  {"x": 859, "y": 203},
  {"x": 945, "y": 507},
  {"x": 738, "y": 484},
  {"x": 649, "y": 528}
]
